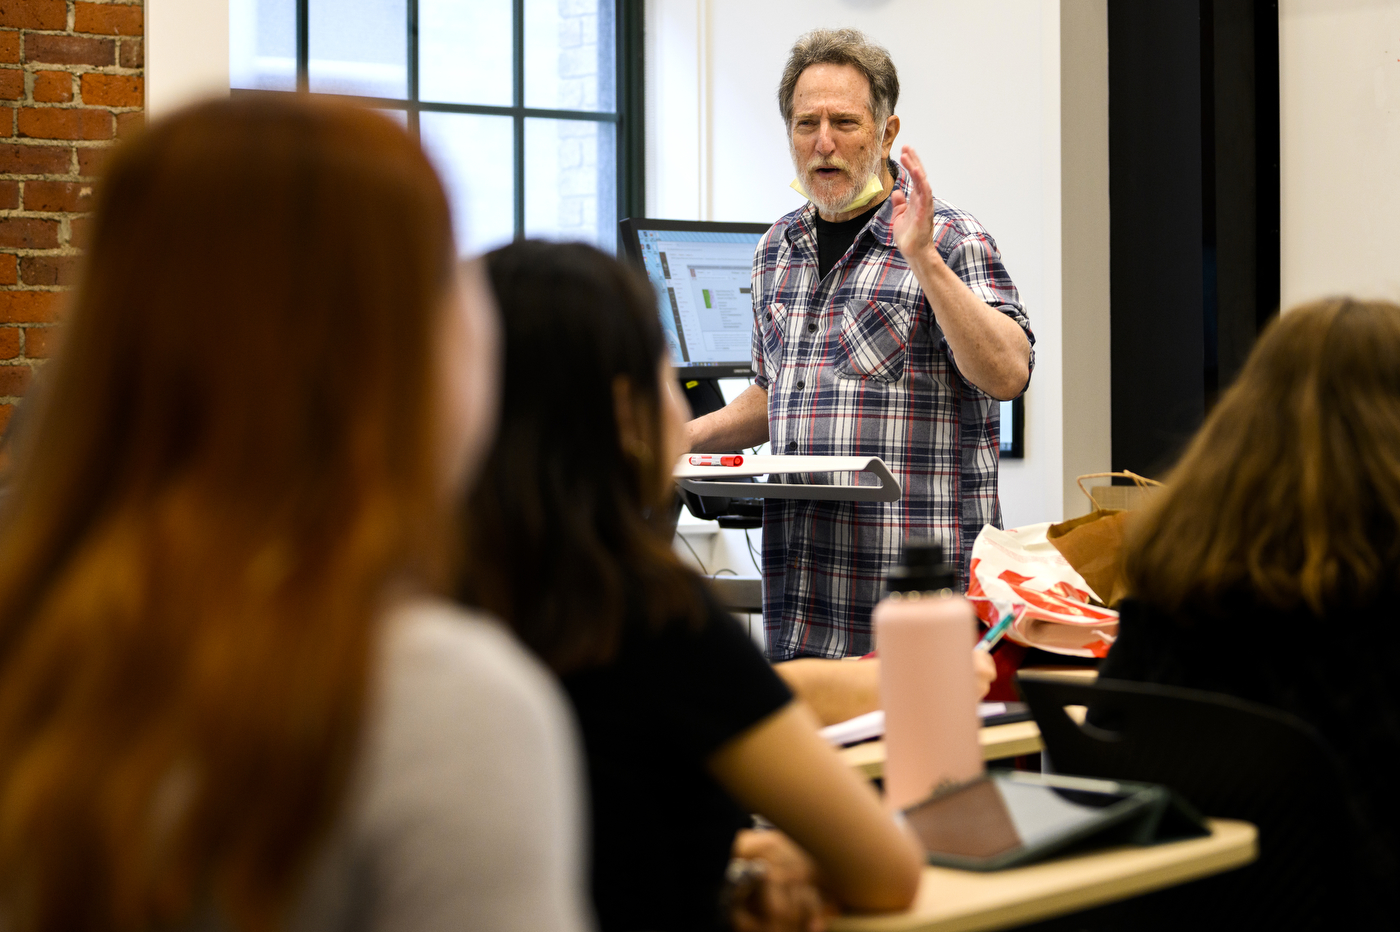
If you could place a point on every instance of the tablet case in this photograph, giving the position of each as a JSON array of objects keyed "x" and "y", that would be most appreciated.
[{"x": 1146, "y": 814}]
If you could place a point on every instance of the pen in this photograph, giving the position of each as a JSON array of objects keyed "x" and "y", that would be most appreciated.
[
  {"x": 716, "y": 461},
  {"x": 994, "y": 633}
]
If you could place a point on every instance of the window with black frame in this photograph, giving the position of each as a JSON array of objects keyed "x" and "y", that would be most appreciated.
[{"x": 530, "y": 108}]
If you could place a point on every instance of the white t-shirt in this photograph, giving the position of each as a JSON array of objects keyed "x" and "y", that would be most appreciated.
[{"x": 464, "y": 809}]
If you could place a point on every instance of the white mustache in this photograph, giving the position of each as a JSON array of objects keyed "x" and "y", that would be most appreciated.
[{"x": 815, "y": 164}]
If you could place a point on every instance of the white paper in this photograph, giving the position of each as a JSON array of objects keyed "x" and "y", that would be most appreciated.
[{"x": 872, "y": 725}]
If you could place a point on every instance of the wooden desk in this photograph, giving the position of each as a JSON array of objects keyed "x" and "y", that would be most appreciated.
[
  {"x": 965, "y": 901},
  {"x": 998, "y": 742},
  {"x": 1073, "y": 673}
]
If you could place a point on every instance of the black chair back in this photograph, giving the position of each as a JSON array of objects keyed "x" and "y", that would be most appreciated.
[{"x": 1231, "y": 759}]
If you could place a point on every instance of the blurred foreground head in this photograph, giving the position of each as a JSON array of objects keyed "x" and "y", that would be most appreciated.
[
  {"x": 567, "y": 533},
  {"x": 245, "y": 438},
  {"x": 1290, "y": 492}
]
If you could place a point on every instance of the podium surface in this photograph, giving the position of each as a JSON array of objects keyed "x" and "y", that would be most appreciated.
[{"x": 718, "y": 480}]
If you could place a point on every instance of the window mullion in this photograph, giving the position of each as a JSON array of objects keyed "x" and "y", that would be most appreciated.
[
  {"x": 303, "y": 45},
  {"x": 413, "y": 68},
  {"x": 621, "y": 86},
  {"x": 518, "y": 63}
]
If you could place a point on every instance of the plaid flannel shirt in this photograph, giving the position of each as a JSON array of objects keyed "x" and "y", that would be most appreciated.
[{"x": 855, "y": 364}]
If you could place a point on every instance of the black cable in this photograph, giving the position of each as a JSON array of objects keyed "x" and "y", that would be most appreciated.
[
  {"x": 694, "y": 554},
  {"x": 753, "y": 557}
]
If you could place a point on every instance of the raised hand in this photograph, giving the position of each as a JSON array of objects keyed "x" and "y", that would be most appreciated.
[{"x": 912, "y": 220}]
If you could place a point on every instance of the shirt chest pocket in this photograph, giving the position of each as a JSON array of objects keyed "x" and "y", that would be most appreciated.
[{"x": 874, "y": 337}]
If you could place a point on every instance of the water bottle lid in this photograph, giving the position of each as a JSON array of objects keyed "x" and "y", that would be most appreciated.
[{"x": 921, "y": 569}]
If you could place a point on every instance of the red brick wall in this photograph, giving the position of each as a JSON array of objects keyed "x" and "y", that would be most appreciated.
[{"x": 71, "y": 83}]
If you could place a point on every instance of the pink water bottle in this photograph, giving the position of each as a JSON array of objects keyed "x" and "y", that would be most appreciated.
[{"x": 925, "y": 633}]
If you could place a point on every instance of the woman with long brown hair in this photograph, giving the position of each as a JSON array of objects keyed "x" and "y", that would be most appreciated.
[
  {"x": 226, "y": 695},
  {"x": 686, "y": 728},
  {"x": 1269, "y": 567}
]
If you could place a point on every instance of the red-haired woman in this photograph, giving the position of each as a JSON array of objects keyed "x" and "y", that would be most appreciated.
[{"x": 227, "y": 695}]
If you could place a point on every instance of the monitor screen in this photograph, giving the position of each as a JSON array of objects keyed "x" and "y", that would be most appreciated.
[
  {"x": 1013, "y": 429},
  {"x": 701, "y": 273}
]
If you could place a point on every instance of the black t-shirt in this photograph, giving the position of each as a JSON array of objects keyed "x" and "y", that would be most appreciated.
[
  {"x": 662, "y": 827},
  {"x": 833, "y": 239}
]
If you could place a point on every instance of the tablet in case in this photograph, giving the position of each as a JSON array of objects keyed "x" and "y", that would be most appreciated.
[{"x": 1009, "y": 818}]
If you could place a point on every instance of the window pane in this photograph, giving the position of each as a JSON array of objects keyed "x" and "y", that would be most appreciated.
[
  {"x": 464, "y": 52},
  {"x": 571, "y": 181},
  {"x": 569, "y": 58},
  {"x": 359, "y": 47},
  {"x": 262, "y": 44},
  {"x": 475, "y": 155}
]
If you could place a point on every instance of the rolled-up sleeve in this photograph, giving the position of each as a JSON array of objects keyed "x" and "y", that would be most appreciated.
[{"x": 976, "y": 260}]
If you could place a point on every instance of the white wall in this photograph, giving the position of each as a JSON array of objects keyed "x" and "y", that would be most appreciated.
[
  {"x": 1340, "y": 159},
  {"x": 186, "y": 52},
  {"x": 980, "y": 100}
]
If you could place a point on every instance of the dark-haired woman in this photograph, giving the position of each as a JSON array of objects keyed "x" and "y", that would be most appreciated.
[
  {"x": 1269, "y": 568},
  {"x": 228, "y": 697},
  {"x": 686, "y": 727}
]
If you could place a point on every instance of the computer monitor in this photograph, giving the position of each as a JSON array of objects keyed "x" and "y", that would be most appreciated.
[{"x": 701, "y": 272}]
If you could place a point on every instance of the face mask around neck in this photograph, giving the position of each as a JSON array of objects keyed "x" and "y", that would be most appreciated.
[{"x": 873, "y": 189}]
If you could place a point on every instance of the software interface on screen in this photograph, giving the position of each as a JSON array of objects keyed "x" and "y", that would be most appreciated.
[{"x": 702, "y": 284}]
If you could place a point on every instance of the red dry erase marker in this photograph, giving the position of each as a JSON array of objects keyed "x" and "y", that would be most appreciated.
[{"x": 716, "y": 461}]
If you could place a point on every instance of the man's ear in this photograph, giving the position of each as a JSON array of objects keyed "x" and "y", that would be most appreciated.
[
  {"x": 629, "y": 431},
  {"x": 891, "y": 131}
]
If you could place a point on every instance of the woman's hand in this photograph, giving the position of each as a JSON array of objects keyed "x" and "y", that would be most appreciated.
[
  {"x": 782, "y": 770},
  {"x": 986, "y": 669},
  {"x": 785, "y": 895},
  {"x": 837, "y": 690}
]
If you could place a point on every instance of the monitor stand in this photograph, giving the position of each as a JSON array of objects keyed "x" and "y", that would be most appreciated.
[{"x": 704, "y": 395}]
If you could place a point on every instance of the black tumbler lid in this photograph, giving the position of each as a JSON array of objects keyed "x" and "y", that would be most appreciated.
[{"x": 921, "y": 569}]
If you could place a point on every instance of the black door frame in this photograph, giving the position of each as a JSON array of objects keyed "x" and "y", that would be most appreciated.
[{"x": 1194, "y": 202}]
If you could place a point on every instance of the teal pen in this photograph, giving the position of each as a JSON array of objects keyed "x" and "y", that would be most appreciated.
[{"x": 994, "y": 633}]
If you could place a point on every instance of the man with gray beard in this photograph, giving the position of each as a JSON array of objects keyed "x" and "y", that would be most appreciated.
[{"x": 885, "y": 324}]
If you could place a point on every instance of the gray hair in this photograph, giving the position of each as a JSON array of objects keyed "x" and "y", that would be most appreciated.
[{"x": 842, "y": 47}]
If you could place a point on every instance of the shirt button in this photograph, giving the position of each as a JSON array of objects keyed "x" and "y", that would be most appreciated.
[
  {"x": 792, "y": 446},
  {"x": 801, "y": 384},
  {"x": 770, "y": 315},
  {"x": 811, "y": 328}
]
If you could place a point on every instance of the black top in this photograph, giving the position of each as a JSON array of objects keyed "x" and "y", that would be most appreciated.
[
  {"x": 1338, "y": 674},
  {"x": 662, "y": 827},
  {"x": 833, "y": 239}
]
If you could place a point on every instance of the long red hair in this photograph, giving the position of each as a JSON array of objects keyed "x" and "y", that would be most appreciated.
[{"x": 231, "y": 458}]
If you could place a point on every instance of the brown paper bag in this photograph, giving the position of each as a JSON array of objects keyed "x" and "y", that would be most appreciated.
[{"x": 1093, "y": 543}]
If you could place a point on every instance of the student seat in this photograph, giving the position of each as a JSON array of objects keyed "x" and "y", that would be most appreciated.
[{"x": 1231, "y": 759}]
